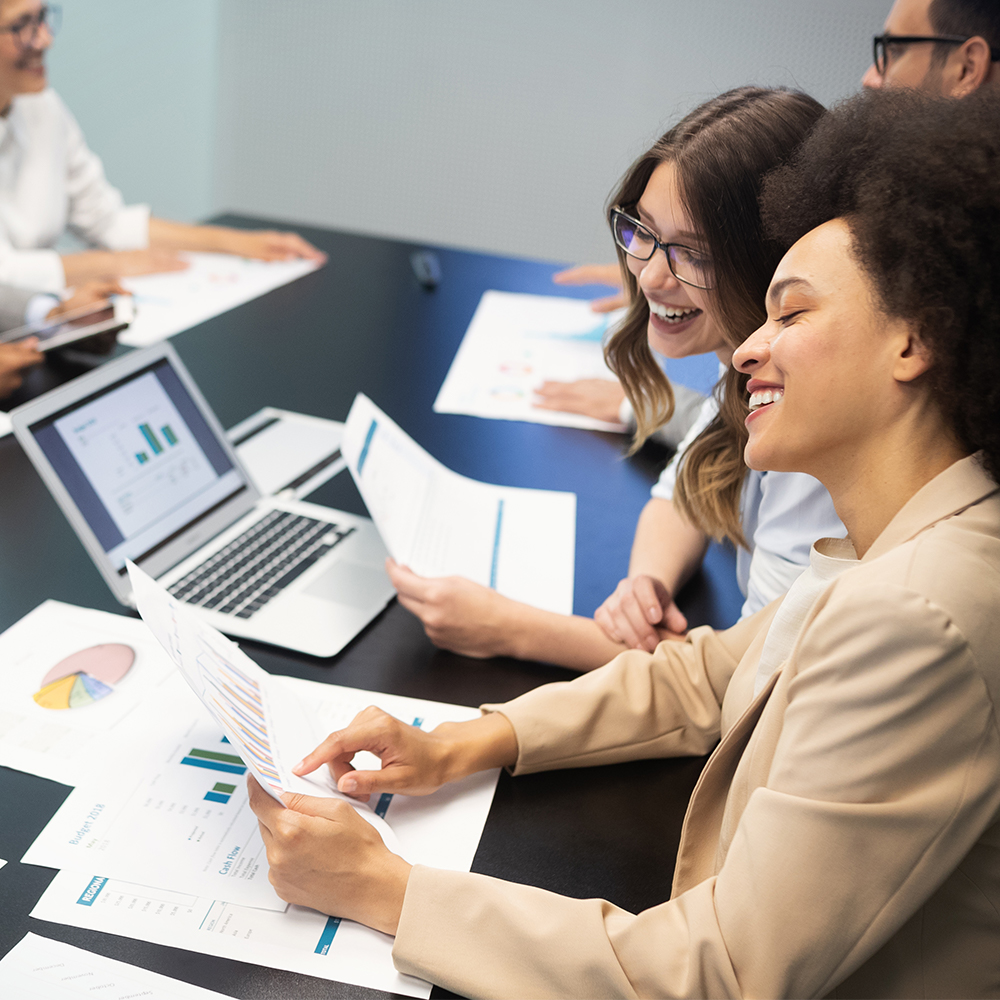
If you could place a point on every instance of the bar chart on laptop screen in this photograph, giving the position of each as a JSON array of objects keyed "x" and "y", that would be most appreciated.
[{"x": 138, "y": 453}]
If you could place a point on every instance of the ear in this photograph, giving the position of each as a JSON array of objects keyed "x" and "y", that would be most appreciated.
[
  {"x": 968, "y": 68},
  {"x": 913, "y": 356}
]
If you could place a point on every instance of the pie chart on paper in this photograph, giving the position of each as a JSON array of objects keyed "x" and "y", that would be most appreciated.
[{"x": 85, "y": 676}]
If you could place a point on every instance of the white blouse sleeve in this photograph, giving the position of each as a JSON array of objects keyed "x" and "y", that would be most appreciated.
[{"x": 97, "y": 212}]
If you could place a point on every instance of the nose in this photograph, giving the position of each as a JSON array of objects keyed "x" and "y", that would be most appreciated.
[
  {"x": 42, "y": 38},
  {"x": 752, "y": 354},
  {"x": 656, "y": 274},
  {"x": 872, "y": 79}
]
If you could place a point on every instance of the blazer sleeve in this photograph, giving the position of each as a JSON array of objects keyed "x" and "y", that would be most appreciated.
[
  {"x": 661, "y": 704},
  {"x": 884, "y": 776},
  {"x": 97, "y": 212}
]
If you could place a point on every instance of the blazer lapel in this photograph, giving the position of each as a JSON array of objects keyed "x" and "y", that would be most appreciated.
[{"x": 698, "y": 850}]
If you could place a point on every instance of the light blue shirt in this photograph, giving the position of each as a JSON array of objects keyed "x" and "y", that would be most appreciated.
[{"x": 782, "y": 514}]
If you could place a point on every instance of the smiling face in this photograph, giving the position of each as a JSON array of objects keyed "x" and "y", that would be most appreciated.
[
  {"x": 680, "y": 316},
  {"x": 22, "y": 70},
  {"x": 830, "y": 372}
]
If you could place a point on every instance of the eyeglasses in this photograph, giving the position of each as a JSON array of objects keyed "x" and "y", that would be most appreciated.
[
  {"x": 885, "y": 46},
  {"x": 25, "y": 29},
  {"x": 686, "y": 264}
]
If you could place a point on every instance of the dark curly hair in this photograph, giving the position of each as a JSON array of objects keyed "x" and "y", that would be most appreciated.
[{"x": 917, "y": 179}]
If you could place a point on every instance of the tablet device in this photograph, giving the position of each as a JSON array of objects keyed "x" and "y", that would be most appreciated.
[{"x": 107, "y": 317}]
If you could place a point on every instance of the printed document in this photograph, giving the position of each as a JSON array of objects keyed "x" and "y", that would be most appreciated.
[
  {"x": 521, "y": 542},
  {"x": 516, "y": 342},
  {"x": 441, "y": 830},
  {"x": 214, "y": 283},
  {"x": 38, "y": 968},
  {"x": 67, "y": 727},
  {"x": 299, "y": 940}
]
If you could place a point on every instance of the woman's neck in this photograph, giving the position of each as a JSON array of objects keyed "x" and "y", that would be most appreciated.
[{"x": 875, "y": 483}]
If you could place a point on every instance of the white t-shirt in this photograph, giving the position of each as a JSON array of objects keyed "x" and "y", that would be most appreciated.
[
  {"x": 50, "y": 180},
  {"x": 782, "y": 514}
]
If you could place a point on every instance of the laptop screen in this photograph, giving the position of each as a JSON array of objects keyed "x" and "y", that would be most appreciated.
[{"x": 139, "y": 460}]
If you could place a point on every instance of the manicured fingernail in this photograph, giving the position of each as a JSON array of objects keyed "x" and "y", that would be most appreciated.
[
  {"x": 300, "y": 765},
  {"x": 349, "y": 785}
]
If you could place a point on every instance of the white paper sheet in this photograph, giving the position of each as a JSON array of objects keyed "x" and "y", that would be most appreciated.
[
  {"x": 300, "y": 940},
  {"x": 70, "y": 745},
  {"x": 442, "y": 830},
  {"x": 516, "y": 342},
  {"x": 288, "y": 454},
  {"x": 213, "y": 284},
  {"x": 38, "y": 968},
  {"x": 177, "y": 815},
  {"x": 521, "y": 542}
]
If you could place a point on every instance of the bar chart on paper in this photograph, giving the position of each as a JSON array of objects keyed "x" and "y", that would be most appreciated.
[{"x": 179, "y": 817}]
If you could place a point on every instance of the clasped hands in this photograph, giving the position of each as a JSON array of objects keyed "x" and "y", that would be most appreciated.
[{"x": 322, "y": 854}]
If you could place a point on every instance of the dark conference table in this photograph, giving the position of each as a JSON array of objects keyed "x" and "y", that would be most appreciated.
[{"x": 364, "y": 323}]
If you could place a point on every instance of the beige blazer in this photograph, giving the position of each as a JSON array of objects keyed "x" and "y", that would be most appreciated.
[{"x": 843, "y": 839}]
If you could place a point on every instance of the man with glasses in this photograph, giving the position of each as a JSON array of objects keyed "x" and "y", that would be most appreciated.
[{"x": 944, "y": 47}]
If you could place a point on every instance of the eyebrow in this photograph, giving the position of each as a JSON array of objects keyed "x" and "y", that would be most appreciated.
[
  {"x": 647, "y": 220},
  {"x": 774, "y": 292}
]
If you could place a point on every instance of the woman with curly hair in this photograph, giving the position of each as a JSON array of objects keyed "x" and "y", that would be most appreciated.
[
  {"x": 696, "y": 260},
  {"x": 844, "y": 838}
]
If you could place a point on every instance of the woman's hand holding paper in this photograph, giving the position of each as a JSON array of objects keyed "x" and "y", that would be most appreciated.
[
  {"x": 458, "y": 614},
  {"x": 322, "y": 854}
]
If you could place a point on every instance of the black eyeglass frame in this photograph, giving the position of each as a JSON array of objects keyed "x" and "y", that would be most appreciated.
[
  {"x": 616, "y": 213},
  {"x": 879, "y": 43},
  {"x": 49, "y": 15}
]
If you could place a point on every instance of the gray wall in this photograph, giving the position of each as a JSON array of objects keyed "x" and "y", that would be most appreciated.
[
  {"x": 140, "y": 77},
  {"x": 493, "y": 126}
]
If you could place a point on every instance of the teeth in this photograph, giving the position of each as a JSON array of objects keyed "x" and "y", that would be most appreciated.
[
  {"x": 764, "y": 396},
  {"x": 670, "y": 314}
]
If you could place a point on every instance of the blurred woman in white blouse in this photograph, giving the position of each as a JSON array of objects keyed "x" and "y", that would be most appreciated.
[{"x": 50, "y": 181}]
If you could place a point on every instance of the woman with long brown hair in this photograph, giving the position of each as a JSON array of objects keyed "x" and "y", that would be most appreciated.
[{"x": 696, "y": 260}]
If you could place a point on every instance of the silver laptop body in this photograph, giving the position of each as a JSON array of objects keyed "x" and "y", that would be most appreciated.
[{"x": 136, "y": 459}]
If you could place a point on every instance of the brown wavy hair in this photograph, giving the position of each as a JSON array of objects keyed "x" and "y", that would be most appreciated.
[{"x": 721, "y": 152}]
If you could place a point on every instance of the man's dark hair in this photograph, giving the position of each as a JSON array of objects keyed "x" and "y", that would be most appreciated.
[
  {"x": 917, "y": 179},
  {"x": 967, "y": 18}
]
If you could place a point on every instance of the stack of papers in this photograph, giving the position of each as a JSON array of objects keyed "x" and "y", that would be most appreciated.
[{"x": 157, "y": 840}]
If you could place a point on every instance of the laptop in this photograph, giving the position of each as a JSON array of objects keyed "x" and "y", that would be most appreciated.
[{"x": 142, "y": 469}]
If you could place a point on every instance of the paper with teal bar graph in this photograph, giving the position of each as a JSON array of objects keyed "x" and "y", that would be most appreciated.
[{"x": 175, "y": 813}]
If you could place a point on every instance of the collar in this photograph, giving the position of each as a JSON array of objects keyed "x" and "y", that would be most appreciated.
[{"x": 961, "y": 485}]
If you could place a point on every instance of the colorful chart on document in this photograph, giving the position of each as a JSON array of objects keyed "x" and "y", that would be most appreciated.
[{"x": 85, "y": 677}]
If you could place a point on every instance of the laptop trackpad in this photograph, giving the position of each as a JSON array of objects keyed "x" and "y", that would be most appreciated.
[{"x": 350, "y": 583}]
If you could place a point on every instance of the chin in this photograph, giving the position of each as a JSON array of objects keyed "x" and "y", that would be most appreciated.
[
  {"x": 763, "y": 459},
  {"x": 32, "y": 83}
]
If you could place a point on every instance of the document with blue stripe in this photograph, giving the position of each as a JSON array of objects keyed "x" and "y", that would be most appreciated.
[{"x": 521, "y": 542}]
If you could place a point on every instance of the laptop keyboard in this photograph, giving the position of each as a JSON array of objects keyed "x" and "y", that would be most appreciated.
[{"x": 251, "y": 570}]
